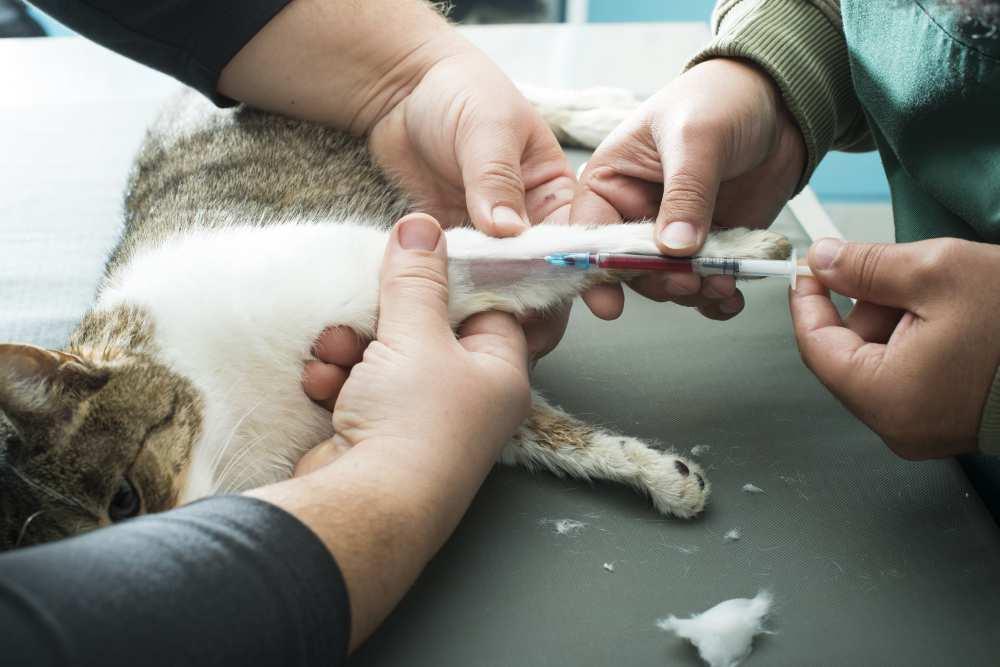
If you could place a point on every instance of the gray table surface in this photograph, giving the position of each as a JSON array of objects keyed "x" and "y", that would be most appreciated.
[{"x": 872, "y": 560}]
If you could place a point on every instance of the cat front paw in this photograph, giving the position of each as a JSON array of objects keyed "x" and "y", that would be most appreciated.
[{"x": 750, "y": 243}]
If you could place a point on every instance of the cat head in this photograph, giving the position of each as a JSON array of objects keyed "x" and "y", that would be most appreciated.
[{"x": 85, "y": 443}]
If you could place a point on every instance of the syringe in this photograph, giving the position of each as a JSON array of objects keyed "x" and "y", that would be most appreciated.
[{"x": 703, "y": 266}]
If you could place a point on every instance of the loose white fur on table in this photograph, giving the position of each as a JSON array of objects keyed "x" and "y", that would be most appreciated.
[
  {"x": 752, "y": 488},
  {"x": 564, "y": 526},
  {"x": 732, "y": 535},
  {"x": 723, "y": 634}
]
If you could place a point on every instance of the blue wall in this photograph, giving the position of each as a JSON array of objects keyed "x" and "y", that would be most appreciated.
[
  {"x": 52, "y": 27},
  {"x": 841, "y": 176},
  {"x": 604, "y": 11}
]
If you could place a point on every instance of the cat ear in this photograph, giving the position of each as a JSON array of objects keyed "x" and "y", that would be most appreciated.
[{"x": 35, "y": 383}]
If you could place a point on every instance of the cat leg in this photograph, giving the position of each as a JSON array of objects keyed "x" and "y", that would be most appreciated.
[
  {"x": 553, "y": 440},
  {"x": 582, "y": 117},
  {"x": 511, "y": 275}
]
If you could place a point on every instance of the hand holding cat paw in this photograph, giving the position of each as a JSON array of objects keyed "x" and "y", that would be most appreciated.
[
  {"x": 714, "y": 147},
  {"x": 442, "y": 405},
  {"x": 917, "y": 356}
]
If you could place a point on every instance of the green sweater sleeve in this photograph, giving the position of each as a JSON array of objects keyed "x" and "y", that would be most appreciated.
[
  {"x": 989, "y": 427},
  {"x": 801, "y": 45}
]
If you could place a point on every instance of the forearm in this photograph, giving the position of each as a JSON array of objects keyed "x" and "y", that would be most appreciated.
[
  {"x": 383, "y": 510},
  {"x": 191, "y": 40},
  {"x": 345, "y": 63},
  {"x": 225, "y": 581}
]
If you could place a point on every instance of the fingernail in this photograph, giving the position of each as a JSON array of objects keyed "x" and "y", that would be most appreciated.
[
  {"x": 730, "y": 306},
  {"x": 679, "y": 235},
  {"x": 507, "y": 221},
  {"x": 825, "y": 252},
  {"x": 419, "y": 233}
]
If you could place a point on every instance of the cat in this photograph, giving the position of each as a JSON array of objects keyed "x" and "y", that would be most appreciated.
[{"x": 245, "y": 235}]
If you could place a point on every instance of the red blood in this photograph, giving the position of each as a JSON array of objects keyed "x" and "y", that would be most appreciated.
[{"x": 625, "y": 262}]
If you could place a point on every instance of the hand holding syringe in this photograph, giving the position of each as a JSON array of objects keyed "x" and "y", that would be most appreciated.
[{"x": 703, "y": 266}]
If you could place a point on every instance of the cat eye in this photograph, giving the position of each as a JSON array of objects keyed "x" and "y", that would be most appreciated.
[{"x": 126, "y": 502}]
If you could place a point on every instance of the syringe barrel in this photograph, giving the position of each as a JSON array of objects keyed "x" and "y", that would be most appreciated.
[{"x": 716, "y": 266}]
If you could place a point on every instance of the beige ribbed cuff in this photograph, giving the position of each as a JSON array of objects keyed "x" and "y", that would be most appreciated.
[
  {"x": 800, "y": 44},
  {"x": 989, "y": 427}
]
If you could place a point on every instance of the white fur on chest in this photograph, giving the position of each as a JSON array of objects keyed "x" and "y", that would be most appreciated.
[{"x": 236, "y": 311}]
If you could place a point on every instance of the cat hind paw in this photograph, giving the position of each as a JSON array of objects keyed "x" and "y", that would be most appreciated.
[{"x": 676, "y": 485}]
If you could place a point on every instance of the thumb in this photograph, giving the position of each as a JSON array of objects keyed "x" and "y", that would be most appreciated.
[
  {"x": 413, "y": 292},
  {"x": 692, "y": 171},
  {"x": 490, "y": 161},
  {"x": 884, "y": 274}
]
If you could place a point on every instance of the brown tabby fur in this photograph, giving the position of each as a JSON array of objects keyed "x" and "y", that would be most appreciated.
[{"x": 72, "y": 427}]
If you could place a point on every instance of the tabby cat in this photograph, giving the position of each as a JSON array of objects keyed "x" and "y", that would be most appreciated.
[{"x": 245, "y": 235}]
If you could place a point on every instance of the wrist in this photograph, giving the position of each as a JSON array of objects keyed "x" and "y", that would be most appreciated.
[
  {"x": 426, "y": 465},
  {"x": 342, "y": 64},
  {"x": 392, "y": 75}
]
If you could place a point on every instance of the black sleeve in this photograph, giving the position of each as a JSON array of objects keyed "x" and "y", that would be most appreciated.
[
  {"x": 191, "y": 40},
  {"x": 224, "y": 581}
]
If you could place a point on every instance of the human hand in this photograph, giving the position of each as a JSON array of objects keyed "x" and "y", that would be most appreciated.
[
  {"x": 715, "y": 146},
  {"x": 916, "y": 357},
  {"x": 466, "y": 145},
  {"x": 419, "y": 423},
  {"x": 444, "y": 404}
]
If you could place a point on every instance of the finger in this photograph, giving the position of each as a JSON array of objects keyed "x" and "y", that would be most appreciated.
[
  {"x": 606, "y": 196},
  {"x": 884, "y": 274},
  {"x": 413, "y": 295},
  {"x": 498, "y": 334},
  {"x": 543, "y": 332},
  {"x": 321, "y": 455},
  {"x": 323, "y": 382},
  {"x": 723, "y": 310},
  {"x": 718, "y": 288},
  {"x": 666, "y": 286},
  {"x": 339, "y": 345},
  {"x": 590, "y": 208},
  {"x": 490, "y": 160},
  {"x": 840, "y": 358},
  {"x": 550, "y": 201},
  {"x": 692, "y": 171},
  {"x": 872, "y": 322},
  {"x": 605, "y": 301}
]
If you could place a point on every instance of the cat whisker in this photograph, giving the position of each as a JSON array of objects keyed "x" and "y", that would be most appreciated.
[
  {"x": 52, "y": 493},
  {"x": 25, "y": 525},
  {"x": 231, "y": 466},
  {"x": 217, "y": 459},
  {"x": 273, "y": 463}
]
